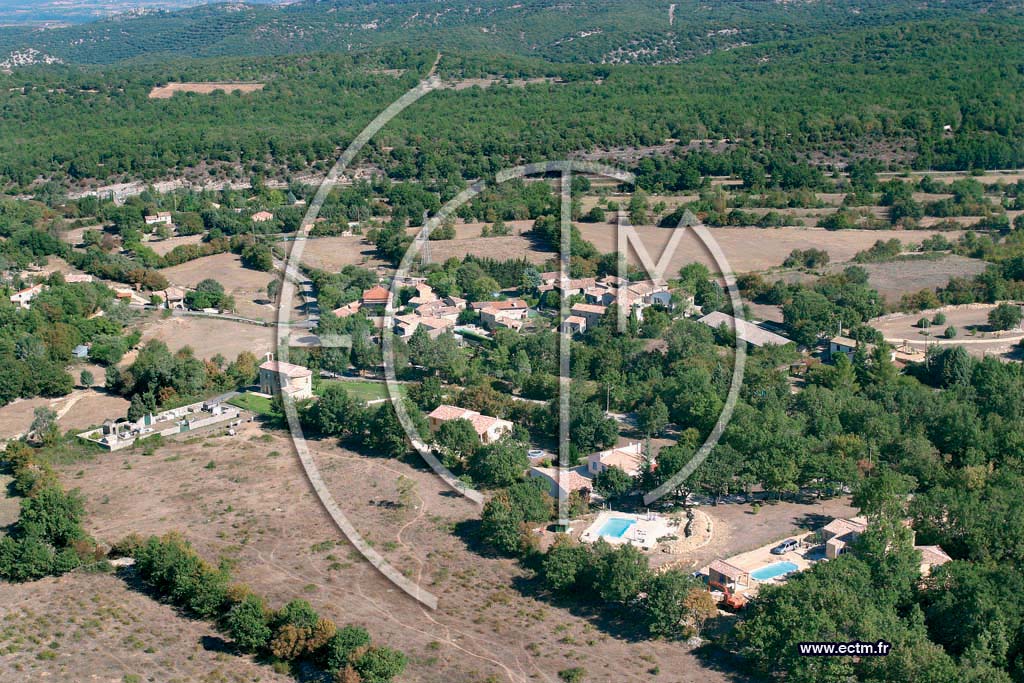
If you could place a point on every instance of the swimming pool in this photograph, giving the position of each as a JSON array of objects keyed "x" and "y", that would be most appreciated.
[
  {"x": 616, "y": 527},
  {"x": 770, "y": 571}
]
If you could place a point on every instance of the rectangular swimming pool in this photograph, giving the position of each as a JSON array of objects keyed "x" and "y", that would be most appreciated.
[
  {"x": 770, "y": 571},
  {"x": 616, "y": 527}
]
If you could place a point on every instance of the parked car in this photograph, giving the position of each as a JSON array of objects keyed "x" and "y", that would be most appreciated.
[{"x": 786, "y": 546}]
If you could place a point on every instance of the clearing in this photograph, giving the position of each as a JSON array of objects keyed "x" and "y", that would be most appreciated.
[
  {"x": 751, "y": 249},
  {"x": 208, "y": 336},
  {"x": 163, "y": 92},
  {"x": 970, "y": 320},
  {"x": 248, "y": 287}
]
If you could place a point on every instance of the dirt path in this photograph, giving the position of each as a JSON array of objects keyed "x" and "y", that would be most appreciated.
[{"x": 672, "y": 14}]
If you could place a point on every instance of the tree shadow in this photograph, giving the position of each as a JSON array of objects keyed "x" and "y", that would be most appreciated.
[
  {"x": 812, "y": 520},
  {"x": 468, "y": 531},
  {"x": 218, "y": 645}
]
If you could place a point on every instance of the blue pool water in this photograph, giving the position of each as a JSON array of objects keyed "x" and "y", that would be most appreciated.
[
  {"x": 772, "y": 570},
  {"x": 616, "y": 527}
]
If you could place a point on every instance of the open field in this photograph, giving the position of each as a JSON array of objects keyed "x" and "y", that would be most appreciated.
[
  {"x": 60, "y": 628},
  {"x": 80, "y": 409},
  {"x": 164, "y": 246},
  {"x": 751, "y": 249},
  {"x": 893, "y": 279},
  {"x": 254, "y": 507},
  {"x": 253, "y": 403},
  {"x": 970, "y": 320},
  {"x": 208, "y": 336},
  {"x": 163, "y": 92},
  {"x": 333, "y": 253},
  {"x": 363, "y": 390},
  {"x": 248, "y": 287}
]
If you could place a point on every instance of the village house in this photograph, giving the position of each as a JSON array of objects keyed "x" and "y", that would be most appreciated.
[
  {"x": 23, "y": 299},
  {"x": 348, "y": 309},
  {"x": 262, "y": 217},
  {"x": 574, "y": 324},
  {"x": 160, "y": 218},
  {"x": 592, "y": 313},
  {"x": 376, "y": 298},
  {"x": 488, "y": 429},
  {"x": 173, "y": 297},
  {"x": 294, "y": 380},
  {"x": 848, "y": 347},
  {"x": 563, "y": 481},
  {"x": 424, "y": 295},
  {"x": 628, "y": 458}
]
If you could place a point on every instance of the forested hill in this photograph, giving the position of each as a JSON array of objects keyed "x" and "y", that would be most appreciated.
[{"x": 597, "y": 31}]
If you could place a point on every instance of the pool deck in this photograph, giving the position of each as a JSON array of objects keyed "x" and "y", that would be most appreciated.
[
  {"x": 644, "y": 533},
  {"x": 761, "y": 557}
]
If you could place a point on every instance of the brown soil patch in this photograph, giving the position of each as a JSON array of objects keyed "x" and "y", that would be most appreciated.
[{"x": 167, "y": 91}]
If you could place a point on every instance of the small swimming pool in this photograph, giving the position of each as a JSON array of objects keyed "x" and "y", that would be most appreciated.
[
  {"x": 616, "y": 527},
  {"x": 770, "y": 571}
]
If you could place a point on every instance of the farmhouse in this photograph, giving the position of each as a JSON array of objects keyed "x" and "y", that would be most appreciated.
[
  {"x": 161, "y": 218},
  {"x": 751, "y": 333},
  {"x": 24, "y": 298},
  {"x": 488, "y": 429},
  {"x": 629, "y": 459},
  {"x": 294, "y": 380}
]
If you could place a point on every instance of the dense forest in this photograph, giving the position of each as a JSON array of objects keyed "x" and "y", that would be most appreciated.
[
  {"x": 883, "y": 93},
  {"x": 637, "y": 31}
]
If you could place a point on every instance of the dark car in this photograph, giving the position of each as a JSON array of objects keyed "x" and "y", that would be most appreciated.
[{"x": 786, "y": 546}]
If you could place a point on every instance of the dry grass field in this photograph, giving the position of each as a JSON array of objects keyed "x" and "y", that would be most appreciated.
[
  {"x": 245, "y": 499},
  {"x": 333, "y": 253},
  {"x": 751, "y": 249},
  {"x": 208, "y": 337},
  {"x": 248, "y": 287},
  {"x": 893, "y": 279},
  {"x": 78, "y": 410},
  {"x": 163, "y": 92},
  {"x": 164, "y": 246},
  {"x": 94, "y": 627}
]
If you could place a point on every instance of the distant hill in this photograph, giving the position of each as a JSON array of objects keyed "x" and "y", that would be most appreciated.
[
  {"x": 37, "y": 12},
  {"x": 596, "y": 31}
]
